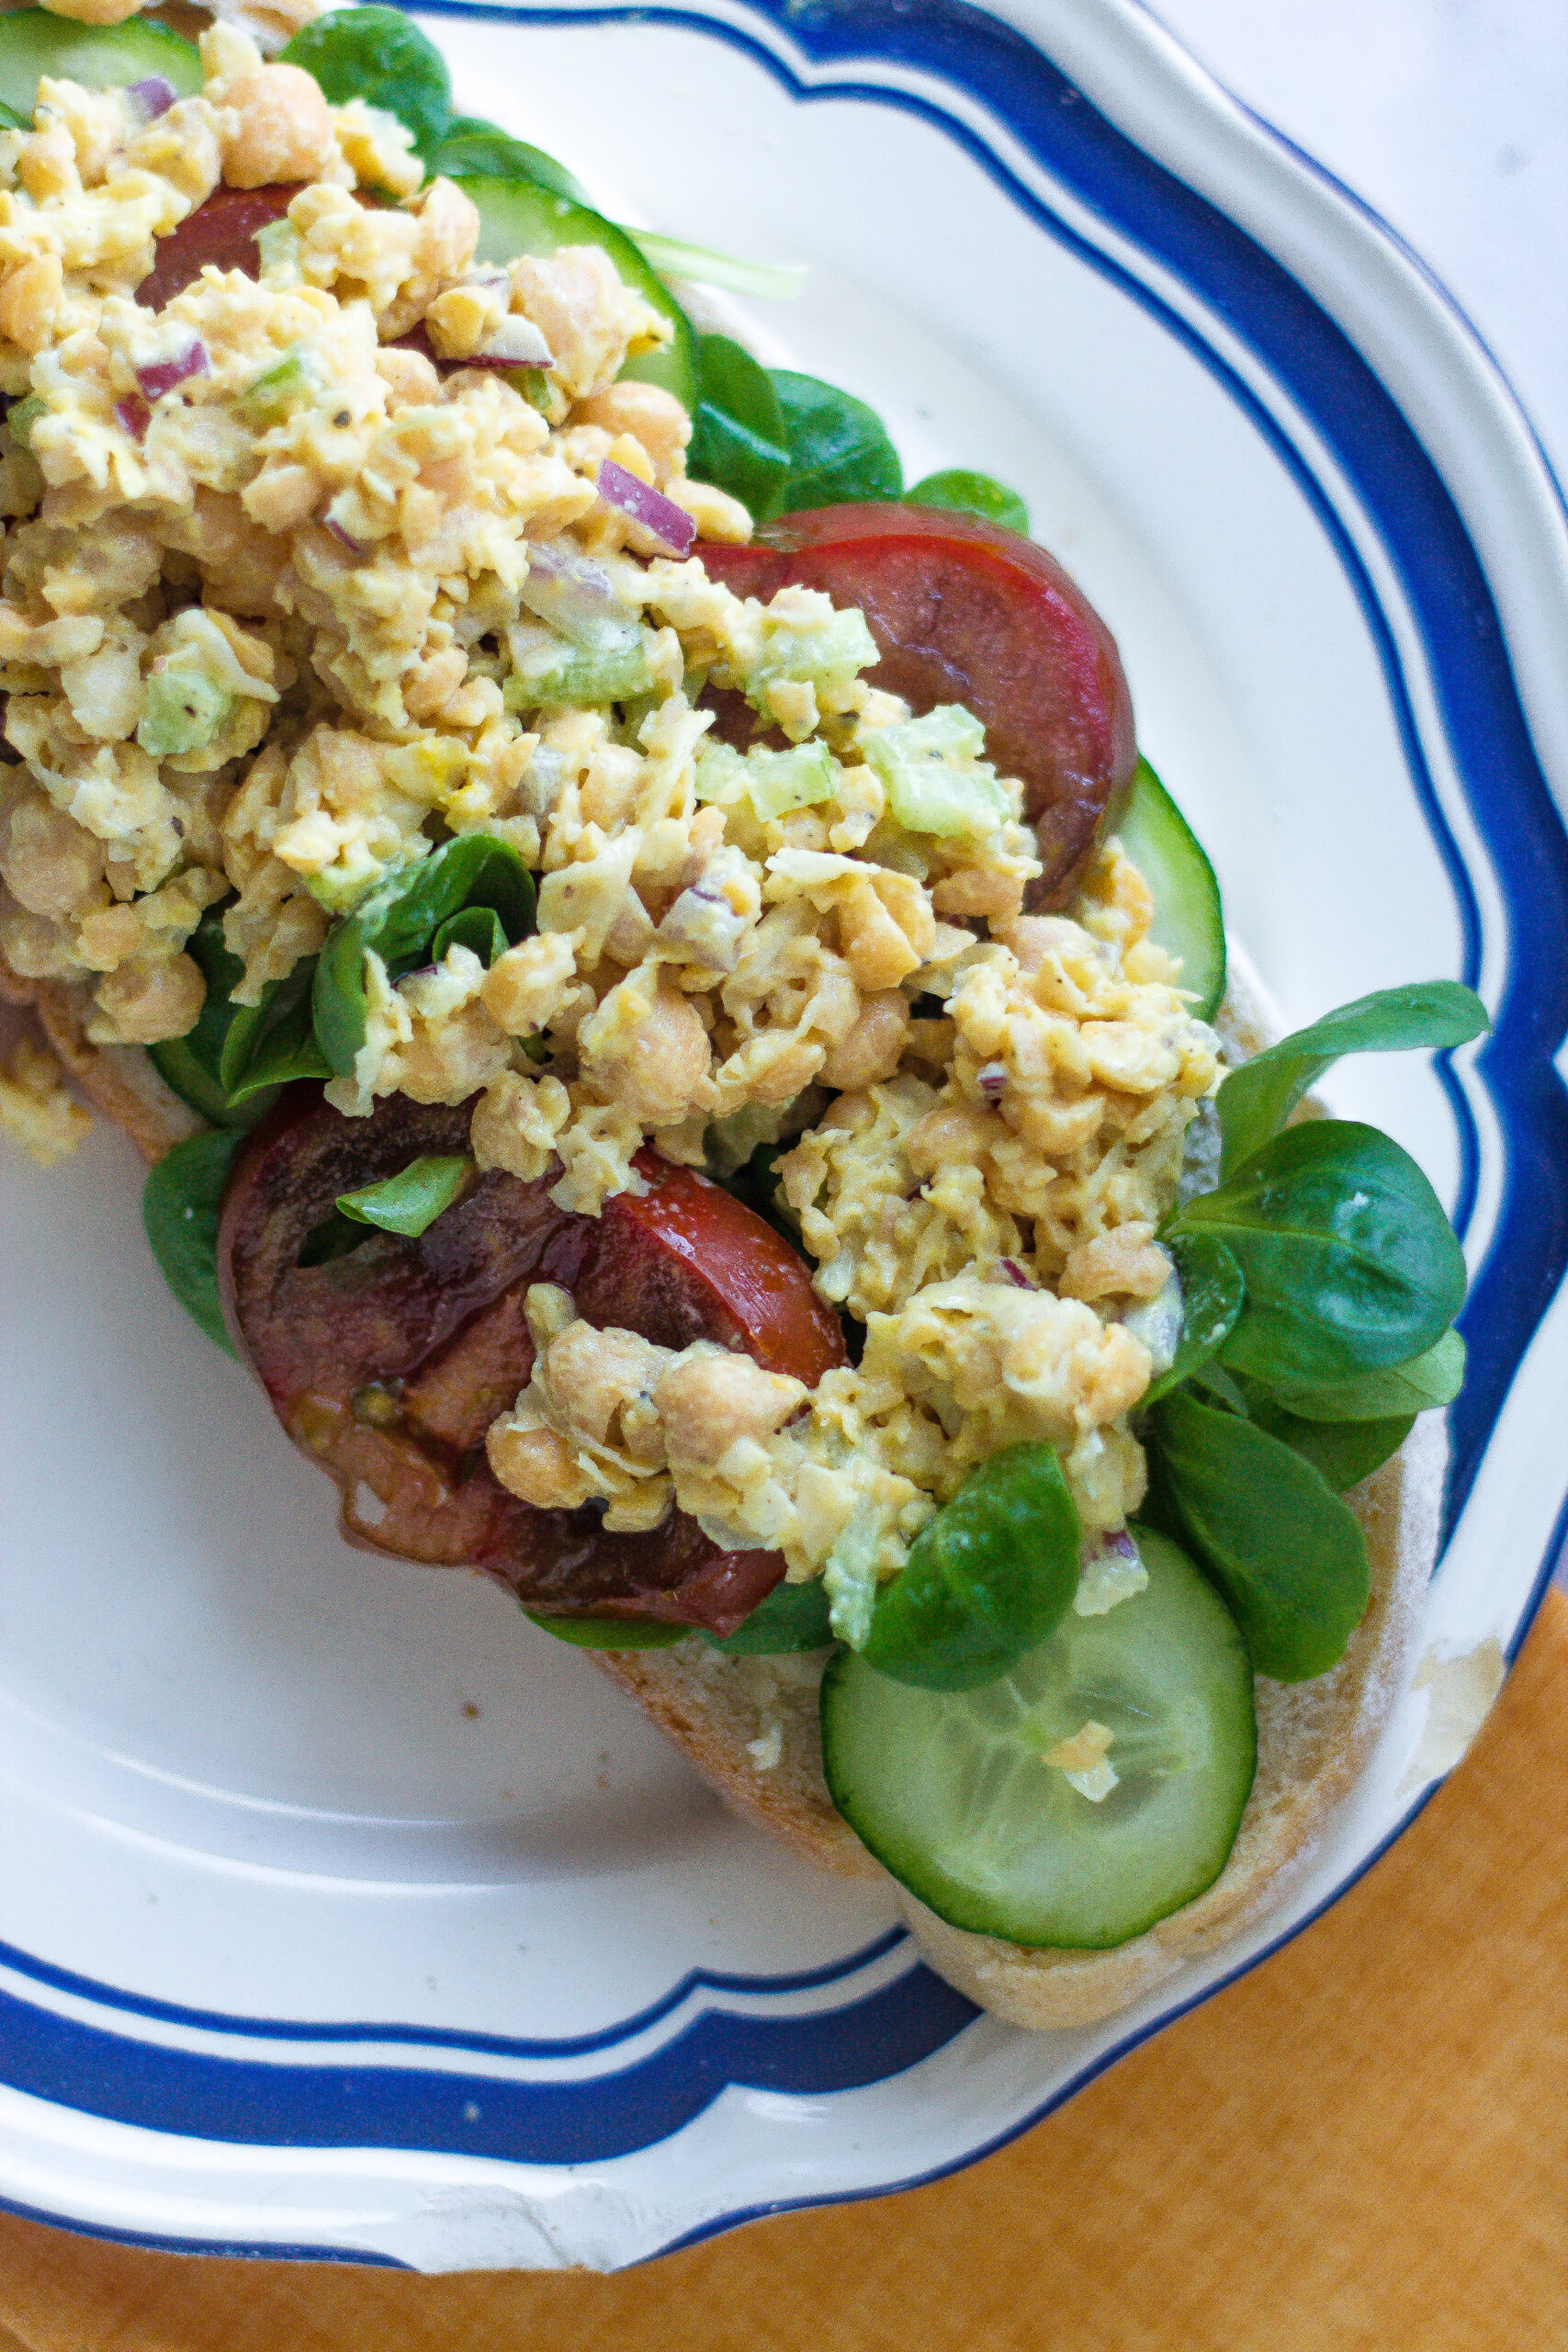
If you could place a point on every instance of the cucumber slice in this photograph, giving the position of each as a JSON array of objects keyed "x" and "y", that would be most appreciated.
[
  {"x": 101, "y": 56},
  {"x": 520, "y": 217},
  {"x": 951, "y": 1791},
  {"x": 1189, "y": 921}
]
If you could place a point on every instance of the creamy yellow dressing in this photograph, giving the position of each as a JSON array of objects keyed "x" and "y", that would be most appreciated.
[{"x": 275, "y": 624}]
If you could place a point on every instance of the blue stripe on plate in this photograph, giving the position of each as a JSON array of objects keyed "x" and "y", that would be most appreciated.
[
  {"x": 1401, "y": 491},
  {"x": 281, "y": 2105},
  {"x": 425, "y": 2037}
]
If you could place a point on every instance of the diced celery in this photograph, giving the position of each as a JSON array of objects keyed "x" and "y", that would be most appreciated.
[
  {"x": 928, "y": 798},
  {"x": 339, "y": 887},
  {"x": 296, "y": 377},
  {"x": 948, "y": 732},
  {"x": 183, "y": 711},
  {"x": 837, "y": 648},
  {"x": 850, "y": 1579},
  {"x": 729, "y": 1142},
  {"x": 535, "y": 387},
  {"x": 281, "y": 247},
  {"x": 779, "y": 781},
  {"x": 925, "y": 793},
  {"x": 721, "y": 773},
  {"x": 773, "y": 782},
  {"x": 22, "y": 417},
  {"x": 576, "y": 678}
]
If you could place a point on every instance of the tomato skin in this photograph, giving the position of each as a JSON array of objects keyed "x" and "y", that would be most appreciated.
[
  {"x": 687, "y": 1250},
  {"x": 964, "y": 611},
  {"x": 387, "y": 1365},
  {"x": 223, "y": 232}
]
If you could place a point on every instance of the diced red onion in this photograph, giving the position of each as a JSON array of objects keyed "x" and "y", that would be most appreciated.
[
  {"x": 668, "y": 524},
  {"x": 161, "y": 376},
  {"x": 133, "y": 414},
  {"x": 344, "y": 539},
  {"x": 992, "y": 1081},
  {"x": 154, "y": 95},
  {"x": 572, "y": 592},
  {"x": 1123, "y": 1544},
  {"x": 1015, "y": 1273},
  {"x": 488, "y": 359}
]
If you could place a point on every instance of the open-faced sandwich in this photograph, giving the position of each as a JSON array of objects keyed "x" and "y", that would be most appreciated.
[{"x": 677, "y": 1035}]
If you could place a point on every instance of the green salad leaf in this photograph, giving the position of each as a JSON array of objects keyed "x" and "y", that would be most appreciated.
[
  {"x": 403, "y": 919},
  {"x": 192, "y": 1064},
  {"x": 481, "y": 150},
  {"x": 792, "y": 1617},
  {"x": 1256, "y": 1100},
  {"x": 180, "y": 1206},
  {"x": 839, "y": 448},
  {"x": 1345, "y": 1452},
  {"x": 231, "y": 1064},
  {"x": 986, "y": 1581},
  {"x": 1286, "y": 1551},
  {"x": 411, "y": 1200},
  {"x": 1212, "y": 1294},
  {"x": 1349, "y": 1263},
  {"x": 277, "y": 1048},
  {"x": 1433, "y": 1378},
  {"x": 960, "y": 491},
  {"x": 610, "y": 1633},
  {"x": 737, "y": 435},
  {"x": 380, "y": 55}
]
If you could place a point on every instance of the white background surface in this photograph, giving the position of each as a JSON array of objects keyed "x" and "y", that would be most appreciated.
[{"x": 1450, "y": 119}]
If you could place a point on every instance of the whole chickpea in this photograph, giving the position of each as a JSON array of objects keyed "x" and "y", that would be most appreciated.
[
  {"x": 146, "y": 1003},
  {"x": 951, "y": 1134},
  {"x": 875, "y": 1046},
  {"x": 656, "y": 1065},
  {"x": 592, "y": 1374},
  {"x": 94, "y": 12},
  {"x": 54, "y": 865},
  {"x": 651, "y": 415},
  {"x": 708, "y": 1398},
  {"x": 283, "y": 131}
]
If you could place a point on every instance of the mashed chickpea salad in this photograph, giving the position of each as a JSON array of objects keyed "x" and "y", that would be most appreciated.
[{"x": 680, "y": 1111}]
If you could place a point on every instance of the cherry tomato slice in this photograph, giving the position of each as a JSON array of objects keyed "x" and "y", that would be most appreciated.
[
  {"x": 223, "y": 232},
  {"x": 388, "y": 1364},
  {"x": 686, "y": 1260},
  {"x": 966, "y": 612}
]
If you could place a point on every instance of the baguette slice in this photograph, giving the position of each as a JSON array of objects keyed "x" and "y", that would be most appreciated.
[
  {"x": 734, "y": 1716},
  {"x": 750, "y": 1725},
  {"x": 118, "y": 1080}
]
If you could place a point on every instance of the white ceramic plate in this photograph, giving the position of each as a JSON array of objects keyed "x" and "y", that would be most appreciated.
[{"x": 346, "y": 1916}]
